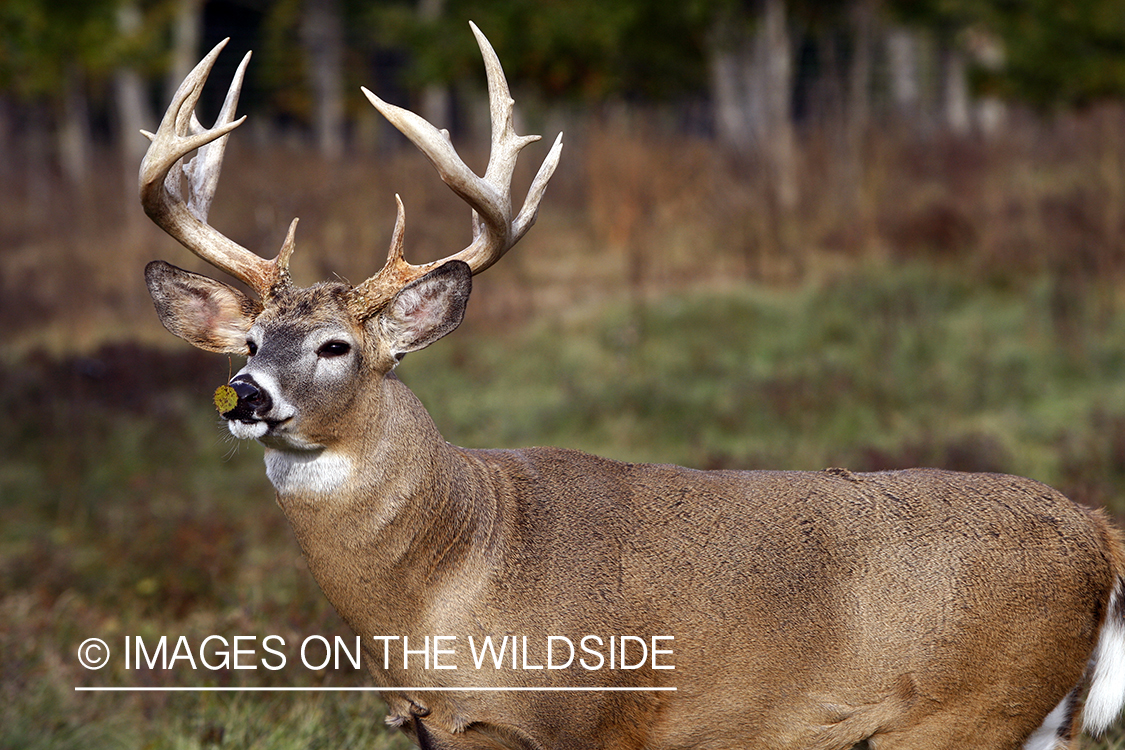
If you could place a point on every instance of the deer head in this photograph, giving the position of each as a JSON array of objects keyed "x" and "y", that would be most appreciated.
[{"x": 330, "y": 339}]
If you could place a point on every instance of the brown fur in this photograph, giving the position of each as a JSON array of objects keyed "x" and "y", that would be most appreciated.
[{"x": 811, "y": 610}]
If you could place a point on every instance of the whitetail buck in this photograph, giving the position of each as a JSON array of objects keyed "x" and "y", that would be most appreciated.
[{"x": 908, "y": 610}]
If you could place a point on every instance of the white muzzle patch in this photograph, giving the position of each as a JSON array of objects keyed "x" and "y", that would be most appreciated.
[{"x": 247, "y": 430}]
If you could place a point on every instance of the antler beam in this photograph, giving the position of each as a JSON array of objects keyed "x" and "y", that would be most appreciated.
[
  {"x": 163, "y": 172},
  {"x": 495, "y": 231}
]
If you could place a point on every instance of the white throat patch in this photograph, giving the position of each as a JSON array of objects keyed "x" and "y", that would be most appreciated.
[{"x": 307, "y": 472}]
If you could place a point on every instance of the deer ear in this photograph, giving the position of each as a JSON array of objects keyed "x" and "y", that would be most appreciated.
[
  {"x": 204, "y": 312},
  {"x": 427, "y": 309}
]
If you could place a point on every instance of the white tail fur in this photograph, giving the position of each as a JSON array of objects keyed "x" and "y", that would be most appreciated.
[
  {"x": 1107, "y": 680},
  {"x": 1050, "y": 734}
]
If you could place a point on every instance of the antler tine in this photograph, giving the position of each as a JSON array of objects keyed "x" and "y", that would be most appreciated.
[
  {"x": 530, "y": 210},
  {"x": 494, "y": 230},
  {"x": 163, "y": 170},
  {"x": 203, "y": 170},
  {"x": 506, "y": 146}
]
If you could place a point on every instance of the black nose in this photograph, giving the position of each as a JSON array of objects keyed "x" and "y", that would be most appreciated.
[{"x": 252, "y": 400}]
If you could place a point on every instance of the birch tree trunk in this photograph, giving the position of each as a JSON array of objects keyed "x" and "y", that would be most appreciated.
[
  {"x": 727, "y": 66},
  {"x": 133, "y": 114},
  {"x": 956, "y": 104},
  {"x": 902, "y": 68},
  {"x": 751, "y": 88},
  {"x": 322, "y": 35},
  {"x": 74, "y": 128},
  {"x": 776, "y": 83},
  {"x": 187, "y": 31},
  {"x": 436, "y": 100},
  {"x": 133, "y": 111}
]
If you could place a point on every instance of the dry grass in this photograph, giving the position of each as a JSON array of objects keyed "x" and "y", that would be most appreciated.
[{"x": 633, "y": 210}]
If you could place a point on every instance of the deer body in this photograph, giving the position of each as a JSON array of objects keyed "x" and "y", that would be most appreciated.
[
  {"x": 810, "y": 610},
  {"x": 911, "y": 610}
]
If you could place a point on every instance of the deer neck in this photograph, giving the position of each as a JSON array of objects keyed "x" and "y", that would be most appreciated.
[{"x": 390, "y": 516}]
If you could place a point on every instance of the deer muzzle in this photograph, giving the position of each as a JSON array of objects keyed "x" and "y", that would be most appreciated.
[{"x": 253, "y": 401}]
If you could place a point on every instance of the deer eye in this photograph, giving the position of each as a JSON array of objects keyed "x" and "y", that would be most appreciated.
[
  {"x": 334, "y": 348},
  {"x": 251, "y": 348}
]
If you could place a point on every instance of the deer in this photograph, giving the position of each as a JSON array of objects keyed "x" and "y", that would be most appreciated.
[{"x": 915, "y": 609}]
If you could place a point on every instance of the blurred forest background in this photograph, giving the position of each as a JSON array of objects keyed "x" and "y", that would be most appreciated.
[{"x": 784, "y": 234}]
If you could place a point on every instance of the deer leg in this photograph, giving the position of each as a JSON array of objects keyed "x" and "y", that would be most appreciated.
[{"x": 425, "y": 739}]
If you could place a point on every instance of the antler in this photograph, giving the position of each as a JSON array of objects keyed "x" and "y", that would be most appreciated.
[
  {"x": 163, "y": 169},
  {"x": 494, "y": 229}
]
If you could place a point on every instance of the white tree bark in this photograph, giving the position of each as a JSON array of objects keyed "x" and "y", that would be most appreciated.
[
  {"x": 732, "y": 121},
  {"x": 133, "y": 111},
  {"x": 751, "y": 88},
  {"x": 74, "y": 129},
  {"x": 902, "y": 63},
  {"x": 187, "y": 31},
  {"x": 956, "y": 102},
  {"x": 133, "y": 114},
  {"x": 990, "y": 113},
  {"x": 322, "y": 35},
  {"x": 436, "y": 100},
  {"x": 776, "y": 78}
]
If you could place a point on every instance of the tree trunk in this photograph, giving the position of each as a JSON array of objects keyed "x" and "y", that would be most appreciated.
[
  {"x": 955, "y": 92},
  {"x": 776, "y": 83},
  {"x": 859, "y": 75},
  {"x": 323, "y": 37},
  {"x": 74, "y": 129},
  {"x": 133, "y": 114},
  {"x": 436, "y": 99},
  {"x": 732, "y": 121},
  {"x": 132, "y": 108},
  {"x": 902, "y": 62},
  {"x": 856, "y": 192},
  {"x": 37, "y": 161},
  {"x": 990, "y": 112},
  {"x": 751, "y": 89},
  {"x": 187, "y": 31},
  {"x": 7, "y": 141}
]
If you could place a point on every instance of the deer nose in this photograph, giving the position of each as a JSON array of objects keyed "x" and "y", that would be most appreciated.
[{"x": 252, "y": 400}]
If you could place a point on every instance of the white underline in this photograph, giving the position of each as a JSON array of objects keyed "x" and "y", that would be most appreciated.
[{"x": 365, "y": 689}]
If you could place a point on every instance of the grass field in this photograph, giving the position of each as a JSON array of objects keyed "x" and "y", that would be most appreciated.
[
  {"x": 959, "y": 310},
  {"x": 128, "y": 512}
]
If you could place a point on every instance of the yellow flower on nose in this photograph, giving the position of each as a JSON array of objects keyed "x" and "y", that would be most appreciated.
[{"x": 225, "y": 398}]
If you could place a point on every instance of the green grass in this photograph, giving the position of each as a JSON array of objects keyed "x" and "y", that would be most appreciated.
[
  {"x": 126, "y": 511},
  {"x": 877, "y": 369},
  {"x": 54, "y": 720}
]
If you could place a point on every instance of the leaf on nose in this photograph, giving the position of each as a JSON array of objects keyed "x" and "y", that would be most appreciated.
[{"x": 225, "y": 398}]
